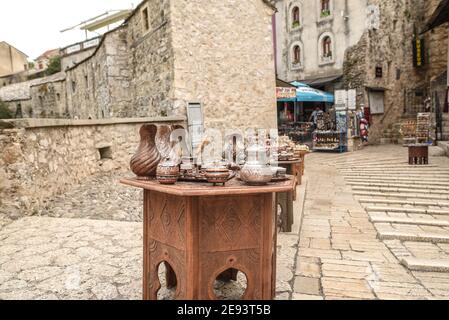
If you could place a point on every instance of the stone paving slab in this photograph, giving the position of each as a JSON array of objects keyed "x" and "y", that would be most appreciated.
[
  {"x": 49, "y": 258},
  {"x": 428, "y": 265},
  {"x": 81, "y": 259}
]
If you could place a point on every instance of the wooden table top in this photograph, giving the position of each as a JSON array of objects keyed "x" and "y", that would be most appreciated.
[{"x": 194, "y": 189}]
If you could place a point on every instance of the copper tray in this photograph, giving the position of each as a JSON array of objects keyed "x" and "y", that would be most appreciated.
[{"x": 202, "y": 177}]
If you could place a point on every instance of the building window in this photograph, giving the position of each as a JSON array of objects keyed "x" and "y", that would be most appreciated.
[
  {"x": 325, "y": 8},
  {"x": 73, "y": 86},
  {"x": 146, "y": 21},
  {"x": 295, "y": 17},
  {"x": 296, "y": 56},
  {"x": 326, "y": 48}
]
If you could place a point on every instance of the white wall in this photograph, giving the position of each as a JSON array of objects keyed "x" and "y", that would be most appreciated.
[{"x": 345, "y": 32}]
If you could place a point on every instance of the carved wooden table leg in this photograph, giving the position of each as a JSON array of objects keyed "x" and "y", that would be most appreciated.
[{"x": 200, "y": 238}]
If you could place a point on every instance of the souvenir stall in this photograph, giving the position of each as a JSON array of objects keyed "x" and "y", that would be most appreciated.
[
  {"x": 200, "y": 219},
  {"x": 331, "y": 131},
  {"x": 416, "y": 136},
  {"x": 295, "y": 114}
]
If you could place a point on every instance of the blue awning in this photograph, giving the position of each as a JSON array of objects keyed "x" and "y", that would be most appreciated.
[
  {"x": 308, "y": 94},
  {"x": 305, "y": 93}
]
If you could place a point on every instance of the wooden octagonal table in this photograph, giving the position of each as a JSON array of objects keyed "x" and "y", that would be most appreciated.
[{"x": 203, "y": 233}]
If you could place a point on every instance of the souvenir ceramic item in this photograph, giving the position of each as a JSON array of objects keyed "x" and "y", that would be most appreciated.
[
  {"x": 144, "y": 163},
  {"x": 217, "y": 175},
  {"x": 168, "y": 172}
]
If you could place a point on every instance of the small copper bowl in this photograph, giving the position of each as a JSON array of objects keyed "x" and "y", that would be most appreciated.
[
  {"x": 217, "y": 175},
  {"x": 167, "y": 172}
]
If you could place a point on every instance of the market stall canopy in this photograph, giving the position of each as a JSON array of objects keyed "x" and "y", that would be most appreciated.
[
  {"x": 304, "y": 93},
  {"x": 308, "y": 94}
]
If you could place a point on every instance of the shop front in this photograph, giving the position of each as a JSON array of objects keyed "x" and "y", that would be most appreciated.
[{"x": 297, "y": 107}]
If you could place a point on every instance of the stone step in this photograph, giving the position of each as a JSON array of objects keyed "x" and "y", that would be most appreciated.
[
  {"x": 434, "y": 182},
  {"x": 405, "y": 202},
  {"x": 399, "y": 172},
  {"x": 402, "y": 190},
  {"x": 398, "y": 185},
  {"x": 369, "y": 161},
  {"x": 402, "y": 196},
  {"x": 409, "y": 221},
  {"x": 414, "y": 236},
  {"x": 386, "y": 167},
  {"x": 407, "y": 210},
  {"x": 410, "y": 170},
  {"x": 368, "y": 177},
  {"x": 425, "y": 265},
  {"x": 444, "y": 145}
]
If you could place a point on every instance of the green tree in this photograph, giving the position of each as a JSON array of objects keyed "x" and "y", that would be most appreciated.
[
  {"x": 5, "y": 113},
  {"x": 54, "y": 66}
]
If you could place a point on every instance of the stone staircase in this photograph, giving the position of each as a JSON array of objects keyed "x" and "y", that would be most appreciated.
[
  {"x": 445, "y": 143},
  {"x": 392, "y": 134},
  {"x": 409, "y": 207},
  {"x": 445, "y": 127}
]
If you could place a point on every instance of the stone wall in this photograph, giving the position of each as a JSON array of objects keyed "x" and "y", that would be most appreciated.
[
  {"x": 43, "y": 158},
  {"x": 224, "y": 59},
  {"x": 51, "y": 99},
  {"x": 89, "y": 85},
  {"x": 218, "y": 53},
  {"x": 151, "y": 60},
  {"x": 390, "y": 47}
]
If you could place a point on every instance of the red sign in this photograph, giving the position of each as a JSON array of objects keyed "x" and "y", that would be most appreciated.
[{"x": 285, "y": 93}]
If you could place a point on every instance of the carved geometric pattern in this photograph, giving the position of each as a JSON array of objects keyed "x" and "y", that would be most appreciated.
[
  {"x": 181, "y": 221},
  {"x": 231, "y": 235},
  {"x": 165, "y": 216},
  {"x": 230, "y": 224},
  {"x": 169, "y": 225}
]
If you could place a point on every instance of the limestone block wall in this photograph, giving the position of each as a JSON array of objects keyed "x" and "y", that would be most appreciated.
[
  {"x": 99, "y": 87},
  {"x": 42, "y": 158},
  {"x": 224, "y": 59},
  {"x": 437, "y": 43},
  {"x": 50, "y": 101},
  {"x": 390, "y": 47},
  {"x": 151, "y": 60}
]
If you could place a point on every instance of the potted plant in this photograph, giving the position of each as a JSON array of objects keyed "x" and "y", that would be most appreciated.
[
  {"x": 325, "y": 13},
  {"x": 295, "y": 24}
]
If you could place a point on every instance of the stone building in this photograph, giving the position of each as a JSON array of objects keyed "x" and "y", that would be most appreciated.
[
  {"x": 170, "y": 53},
  {"x": 393, "y": 67},
  {"x": 12, "y": 60},
  {"x": 77, "y": 52},
  {"x": 39, "y": 98},
  {"x": 312, "y": 37}
]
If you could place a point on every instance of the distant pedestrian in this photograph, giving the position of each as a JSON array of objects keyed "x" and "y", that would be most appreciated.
[
  {"x": 364, "y": 130},
  {"x": 314, "y": 117}
]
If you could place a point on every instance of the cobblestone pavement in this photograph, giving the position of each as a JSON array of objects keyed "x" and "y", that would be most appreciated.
[
  {"x": 61, "y": 258},
  {"x": 341, "y": 256},
  {"x": 101, "y": 197},
  {"x": 87, "y": 244}
]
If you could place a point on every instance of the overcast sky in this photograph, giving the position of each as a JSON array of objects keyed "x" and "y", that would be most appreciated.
[{"x": 34, "y": 26}]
